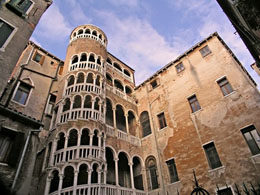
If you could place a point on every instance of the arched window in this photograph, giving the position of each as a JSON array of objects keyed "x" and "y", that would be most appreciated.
[
  {"x": 71, "y": 80},
  {"x": 109, "y": 79},
  {"x": 75, "y": 59},
  {"x": 124, "y": 171},
  {"x": 117, "y": 67},
  {"x": 145, "y": 123},
  {"x": 109, "y": 113},
  {"x": 131, "y": 123},
  {"x": 84, "y": 140},
  {"x": 83, "y": 174},
  {"x": 94, "y": 174},
  {"x": 87, "y": 102},
  {"x": 95, "y": 138},
  {"x": 61, "y": 141},
  {"x": 96, "y": 106},
  {"x": 90, "y": 78},
  {"x": 120, "y": 118},
  {"x": 73, "y": 138},
  {"x": 83, "y": 57},
  {"x": 80, "y": 78},
  {"x": 66, "y": 106},
  {"x": 98, "y": 81},
  {"x": 111, "y": 176},
  {"x": 128, "y": 90},
  {"x": 127, "y": 73},
  {"x": 91, "y": 58},
  {"x": 100, "y": 36},
  {"x": 137, "y": 170},
  {"x": 77, "y": 102},
  {"x": 87, "y": 31},
  {"x": 94, "y": 33},
  {"x": 68, "y": 177},
  {"x": 74, "y": 34},
  {"x": 99, "y": 61},
  {"x": 54, "y": 181},
  {"x": 119, "y": 85},
  {"x": 152, "y": 173},
  {"x": 109, "y": 61},
  {"x": 80, "y": 32}
]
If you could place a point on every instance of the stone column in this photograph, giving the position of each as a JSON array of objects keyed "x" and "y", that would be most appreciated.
[
  {"x": 75, "y": 182},
  {"x": 71, "y": 106},
  {"x": 99, "y": 146},
  {"x": 126, "y": 123},
  {"x": 47, "y": 185},
  {"x": 144, "y": 176},
  {"x": 116, "y": 171},
  {"x": 131, "y": 174},
  {"x": 60, "y": 183},
  {"x": 58, "y": 117},
  {"x": 114, "y": 120},
  {"x": 53, "y": 149},
  {"x": 90, "y": 143},
  {"x": 89, "y": 180},
  {"x": 78, "y": 145},
  {"x": 64, "y": 149}
]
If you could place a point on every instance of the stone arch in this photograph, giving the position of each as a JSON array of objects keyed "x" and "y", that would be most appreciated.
[
  {"x": 83, "y": 57},
  {"x": 120, "y": 118},
  {"x": 126, "y": 72},
  {"x": 83, "y": 174},
  {"x": 71, "y": 80},
  {"x": 110, "y": 156},
  {"x": 88, "y": 101},
  {"x": 109, "y": 61},
  {"x": 137, "y": 173},
  {"x": 100, "y": 36},
  {"x": 77, "y": 102},
  {"x": 94, "y": 173},
  {"x": 96, "y": 104},
  {"x": 90, "y": 78},
  {"x": 87, "y": 31},
  {"x": 92, "y": 58},
  {"x": 99, "y": 60},
  {"x": 85, "y": 137},
  {"x": 74, "y": 59},
  {"x": 132, "y": 124},
  {"x": 66, "y": 105},
  {"x": 95, "y": 137},
  {"x": 117, "y": 66},
  {"x": 73, "y": 137},
  {"x": 152, "y": 173},
  {"x": 54, "y": 184},
  {"x": 61, "y": 141},
  {"x": 80, "y": 77},
  {"x": 124, "y": 176},
  {"x": 118, "y": 84},
  {"x": 80, "y": 31},
  {"x": 109, "y": 113},
  {"x": 128, "y": 90},
  {"x": 94, "y": 33},
  {"x": 68, "y": 177}
]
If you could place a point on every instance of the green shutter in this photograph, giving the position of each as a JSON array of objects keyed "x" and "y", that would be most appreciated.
[{"x": 5, "y": 32}]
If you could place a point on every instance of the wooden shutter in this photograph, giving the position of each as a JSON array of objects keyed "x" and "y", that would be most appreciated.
[
  {"x": 16, "y": 149},
  {"x": 42, "y": 60}
]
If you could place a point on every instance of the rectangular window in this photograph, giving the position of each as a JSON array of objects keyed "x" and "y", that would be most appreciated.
[
  {"x": 6, "y": 31},
  {"x": 225, "y": 86},
  {"x": 20, "y": 7},
  {"x": 252, "y": 138},
  {"x": 50, "y": 106},
  {"x": 39, "y": 58},
  {"x": 226, "y": 191},
  {"x": 212, "y": 155},
  {"x": 22, "y": 93},
  {"x": 162, "y": 121},
  {"x": 6, "y": 144},
  {"x": 172, "y": 170},
  {"x": 154, "y": 84},
  {"x": 179, "y": 67},
  {"x": 205, "y": 51},
  {"x": 194, "y": 103}
]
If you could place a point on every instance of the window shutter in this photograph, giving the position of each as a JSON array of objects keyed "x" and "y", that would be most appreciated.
[
  {"x": 16, "y": 149},
  {"x": 42, "y": 60}
]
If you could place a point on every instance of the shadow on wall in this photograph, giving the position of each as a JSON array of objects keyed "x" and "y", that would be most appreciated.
[{"x": 4, "y": 189}]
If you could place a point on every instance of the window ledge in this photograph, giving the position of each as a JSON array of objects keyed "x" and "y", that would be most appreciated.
[
  {"x": 215, "y": 173},
  {"x": 175, "y": 183},
  {"x": 196, "y": 112},
  {"x": 163, "y": 128},
  {"x": 255, "y": 159},
  {"x": 146, "y": 136},
  {"x": 3, "y": 164},
  {"x": 23, "y": 105},
  {"x": 233, "y": 92}
]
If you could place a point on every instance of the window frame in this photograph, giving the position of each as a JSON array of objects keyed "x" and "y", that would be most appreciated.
[
  {"x": 221, "y": 86},
  {"x": 18, "y": 11},
  {"x": 209, "y": 162},
  {"x": 174, "y": 170},
  {"x": 164, "y": 121},
  {"x": 246, "y": 129},
  {"x": 154, "y": 81},
  {"x": 191, "y": 103},
  {"x": 10, "y": 36},
  {"x": 201, "y": 50},
  {"x": 42, "y": 59},
  {"x": 223, "y": 188},
  {"x": 50, "y": 103},
  {"x": 28, "y": 97},
  {"x": 182, "y": 67}
]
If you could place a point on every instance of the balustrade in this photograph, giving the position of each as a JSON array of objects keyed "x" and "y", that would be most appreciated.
[
  {"x": 89, "y": 36},
  {"x": 86, "y": 65},
  {"x": 120, "y": 93}
]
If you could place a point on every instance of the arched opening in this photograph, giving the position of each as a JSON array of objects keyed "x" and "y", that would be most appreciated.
[
  {"x": 132, "y": 123},
  {"x": 94, "y": 174},
  {"x": 90, "y": 78},
  {"x": 102, "y": 140},
  {"x": 77, "y": 102},
  {"x": 111, "y": 177},
  {"x": 117, "y": 67},
  {"x": 71, "y": 80},
  {"x": 80, "y": 78},
  {"x": 48, "y": 154},
  {"x": 73, "y": 138},
  {"x": 54, "y": 181},
  {"x": 102, "y": 174},
  {"x": 145, "y": 123},
  {"x": 94, "y": 33},
  {"x": 84, "y": 140},
  {"x": 109, "y": 79},
  {"x": 100, "y": 36},
  {"x": 109, "y": 61},
  {"x": 98, "y": 81},
  {"x": 124, "y": 171},
  {"x": 109, "y": 113},
  {"x": 118, "y": 85},
  {"x": 74, "y": 34},
  {"x": 120, "y": 118},
  {"x": 152, "y": 174},
  {"x": 68, "y": 177},
  {"x": 83, "y": 57},
  {"x": 75, "y": 59},
  {"x": 66, "y": 106},
  {"x": 87, "y": 31},
  {"x": 98, "y": 61},
  {"x": 87, "y": 102},
  {"x": 137, "y": 172},
  {"x": 95, "y": 138},
  {"x": 80, "y": 32},
  {"x": 83, "y": 174},
  {"x": 127, "y": 73},
  {"x": 96, "y": 105},
  {"x": 61, "y": 141},
  {"x": 128, "y": 90},
  {"x": 91, "y": 58}
]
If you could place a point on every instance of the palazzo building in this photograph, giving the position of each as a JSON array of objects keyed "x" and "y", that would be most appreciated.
[{"x": 199, "y": 113}]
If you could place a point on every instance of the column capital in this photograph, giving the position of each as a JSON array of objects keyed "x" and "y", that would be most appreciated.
[
  {"x": 116, "y": 159},
  {"x": 130, "y": 163},
  {"x": 61, "y": 176}
]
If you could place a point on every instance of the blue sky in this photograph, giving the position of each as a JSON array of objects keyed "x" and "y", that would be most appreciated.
[{"x": 145, "y": 34}]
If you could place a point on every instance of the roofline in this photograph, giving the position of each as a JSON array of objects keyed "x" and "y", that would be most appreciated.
[
  {"x": 215, "y": 34},
  {"x": 45, "y": 51},
  {"x": 121, "y": 61}
]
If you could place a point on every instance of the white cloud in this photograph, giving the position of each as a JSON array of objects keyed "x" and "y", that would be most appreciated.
[{"x": 129, "y": 3}]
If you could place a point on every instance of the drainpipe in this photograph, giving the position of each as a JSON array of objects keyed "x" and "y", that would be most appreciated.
[
  {"x": 22, "y": 157},
  {"x": 155, "y": 138}
]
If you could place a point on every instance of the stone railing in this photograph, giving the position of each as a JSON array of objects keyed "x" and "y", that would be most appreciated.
[
  {"x": 86, "y": 87},
  {"x": 86, "y": 66},
  {"x": 120, "y": 93},
  {"x": 110, "y": 131},
  {"x": 119, "y": 72},
  {"x": 88, "y": 36},
  {"x": 78, "y": 153}
]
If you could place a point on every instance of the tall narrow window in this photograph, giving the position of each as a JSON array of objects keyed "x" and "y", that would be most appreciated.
[
  {"x": 225, "y": 86},
  {"x": 22, "y": 93},
  {"x": 5, "y": 32},
  {"x": 212, "y": 155},
  {"x": 51, "y": 103},
  {"x": 205, "y": 51},
  {"x": 161, "y": 120},
  {"x": 145, "y": 123},
  {"x": 252, "y": 138},
  {"x": 152, "y": 173},
  {"x": 194, "y": 103},
  {"x": 172, "y": 170}
]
